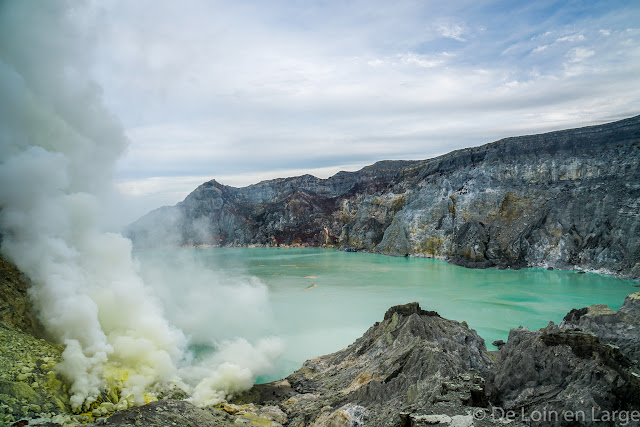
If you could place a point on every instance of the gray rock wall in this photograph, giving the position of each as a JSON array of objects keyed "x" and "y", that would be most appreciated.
[{"x": 567, "y": 199}]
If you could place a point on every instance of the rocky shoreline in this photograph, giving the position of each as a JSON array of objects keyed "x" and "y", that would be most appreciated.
[
  {"x": 567, "y": 199},
  {"x": 412, "y": 368}
]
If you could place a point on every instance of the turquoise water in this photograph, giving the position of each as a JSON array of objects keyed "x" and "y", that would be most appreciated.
[{"x": 321, "y": 300}]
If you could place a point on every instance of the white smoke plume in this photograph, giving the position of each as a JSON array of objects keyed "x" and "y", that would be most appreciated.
[{"x": 58, "y": 147}]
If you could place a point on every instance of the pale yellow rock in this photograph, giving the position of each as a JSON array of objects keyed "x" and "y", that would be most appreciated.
[
  {"x": 122, "y": 404},
  {"x": 599, "y": 309},
  {"x": 108, "y": 406},
  {"x": 230, "y": 408}
]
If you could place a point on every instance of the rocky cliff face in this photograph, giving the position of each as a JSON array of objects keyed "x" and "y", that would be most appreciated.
[{"x": 563, "y": 199}]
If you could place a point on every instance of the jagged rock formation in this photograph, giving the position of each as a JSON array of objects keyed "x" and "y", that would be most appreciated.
[
  {"x": 584, "y": 369},
  {"x": 619, "y": 328},
  {"x": 563, "y": 199},
  {"x": 413, "y": 362},
  {"x": 302, "y": 209}
]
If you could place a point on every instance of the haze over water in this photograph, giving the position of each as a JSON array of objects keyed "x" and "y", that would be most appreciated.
[{"x": 321, "y": 300}]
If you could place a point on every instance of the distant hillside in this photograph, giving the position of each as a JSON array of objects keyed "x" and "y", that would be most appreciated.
[{"x": 566, "y": 199}]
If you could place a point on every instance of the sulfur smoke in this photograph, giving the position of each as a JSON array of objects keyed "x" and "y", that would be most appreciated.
[{"x": 58, "y": 148}]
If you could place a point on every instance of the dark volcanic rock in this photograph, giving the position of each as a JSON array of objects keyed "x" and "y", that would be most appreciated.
[
  {"x": 619, "y": 328},
  {"x": 470, "y": 245},
  {"x": 302, "y": 210},
  {"x": 586, "y": 365},
  {"x": 169, "y": 413},
  {"x": 498, "y": 343},
  {"x": 408, "y": 310},
  {"x": 413, "y": 362},
  {"x": 567, "y": 199}
]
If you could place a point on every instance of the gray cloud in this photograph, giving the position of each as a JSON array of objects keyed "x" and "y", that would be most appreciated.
[{"x": 235, "y": 90}]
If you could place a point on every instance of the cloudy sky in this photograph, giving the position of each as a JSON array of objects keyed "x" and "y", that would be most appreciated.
[{"x": 242, "y": 91}]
